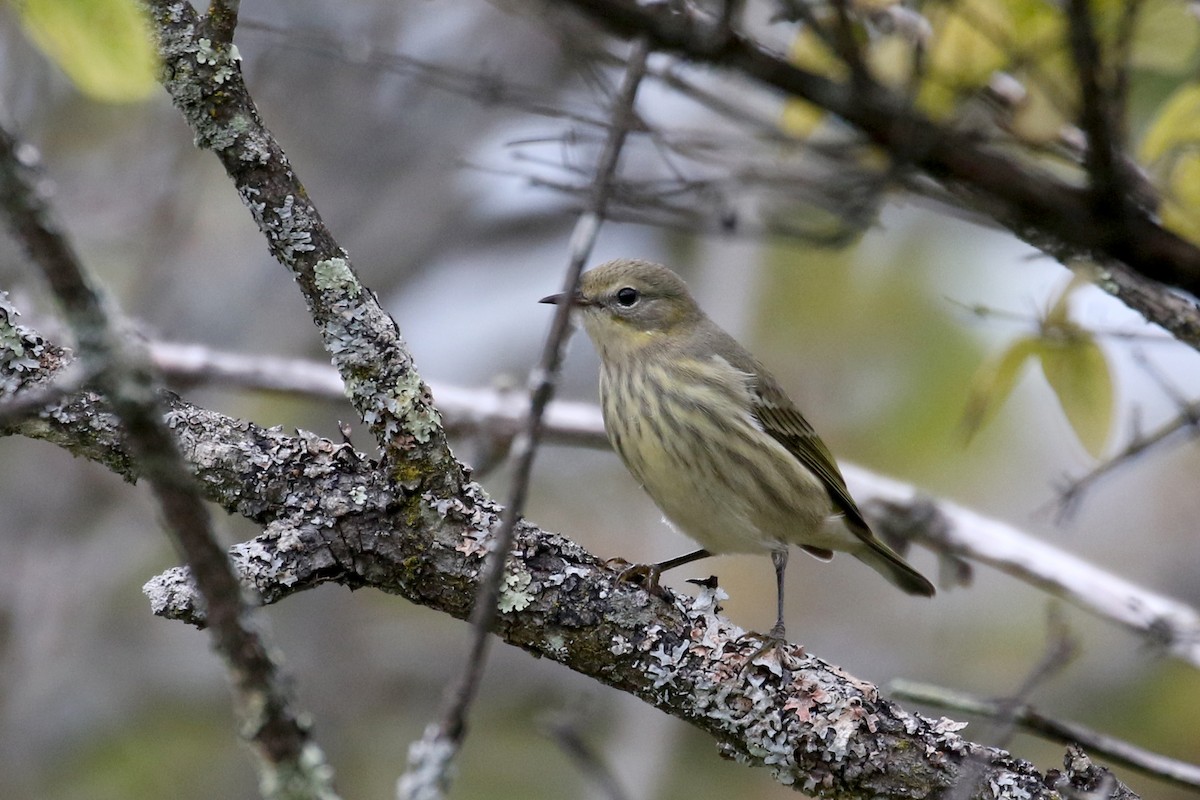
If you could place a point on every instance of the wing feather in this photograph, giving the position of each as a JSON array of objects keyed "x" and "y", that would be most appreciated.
[{"x": 781, "y": 419}]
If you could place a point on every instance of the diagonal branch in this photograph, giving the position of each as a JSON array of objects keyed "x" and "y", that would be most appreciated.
[
  {"x": 221, "y": 453},
  {"x": 1109, "y": 188},
  {"x": 205, "y": 83}
]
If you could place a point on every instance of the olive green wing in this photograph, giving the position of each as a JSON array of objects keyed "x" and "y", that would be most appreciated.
[{"x": 780, "y": 418}]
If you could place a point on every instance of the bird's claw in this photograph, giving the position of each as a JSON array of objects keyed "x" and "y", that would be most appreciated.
[
  {"x": 775, "y": 653},
  {"x": 644, "y": 575}
]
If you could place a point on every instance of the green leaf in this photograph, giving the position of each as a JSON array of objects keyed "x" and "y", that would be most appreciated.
[
  {"x": 1171, "y": 149},
  {"x": 966, "y": 49},
  {"x": 103, "y": 46},
  {"x": 801, "y": 118},
  {"x": 1077, "y": 371},
  {"x": 993, "y": 382}
]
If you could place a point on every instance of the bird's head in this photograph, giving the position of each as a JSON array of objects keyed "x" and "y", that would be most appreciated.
[{"x": 629, "y": 303}]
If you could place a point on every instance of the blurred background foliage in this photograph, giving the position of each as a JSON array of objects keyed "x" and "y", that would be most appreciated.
[{"x": 421, "y": 131}]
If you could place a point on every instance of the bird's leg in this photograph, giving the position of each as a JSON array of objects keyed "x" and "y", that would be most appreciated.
[
  {"x": 647, "y": 575},
  {"x": 776, "y": 638},
  {"x": 779, "y": 558}
]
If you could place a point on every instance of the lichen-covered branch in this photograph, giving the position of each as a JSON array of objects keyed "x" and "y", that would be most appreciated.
[
  {"x": 204, "y": 80},
  {"x": 814, "y": 725}
]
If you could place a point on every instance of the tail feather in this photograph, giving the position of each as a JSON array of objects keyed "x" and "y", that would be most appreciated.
[{"x": 884, "y": 560}]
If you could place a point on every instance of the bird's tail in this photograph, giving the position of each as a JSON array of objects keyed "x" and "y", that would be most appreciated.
[{"x": 884, "y": 560}]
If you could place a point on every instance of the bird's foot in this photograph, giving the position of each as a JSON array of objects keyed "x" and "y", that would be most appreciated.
[
  {"x": 775, "y": 652},
  {"x": 644, "y": 575}
]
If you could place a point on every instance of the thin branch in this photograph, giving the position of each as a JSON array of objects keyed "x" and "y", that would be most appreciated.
[
  {"x": 1029, "y": 719},
  {"x": 948, "y": 528},
  {"x": 221, "y": 21},
  {"x": 1061, "y": 649},
  {"x": 290, "y": 763},
  {"x": 1187, "y": 421},
  {"x": 1122, "y": 64},
  {"x": 439, "y": 745},
  {"x": 564, "y": 730}
]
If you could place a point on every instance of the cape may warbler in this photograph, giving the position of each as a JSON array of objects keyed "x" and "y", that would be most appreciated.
[{"x": 711, "y": 435}]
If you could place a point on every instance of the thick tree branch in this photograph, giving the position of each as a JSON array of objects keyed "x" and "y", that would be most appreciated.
[
  {"x": 945, "y": 527},
  {"x": 896, "y": 508},
  {"x": 430, "y": 759}
]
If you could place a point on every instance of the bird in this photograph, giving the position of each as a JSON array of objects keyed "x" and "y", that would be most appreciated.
[{"x": 712, "y": 437}]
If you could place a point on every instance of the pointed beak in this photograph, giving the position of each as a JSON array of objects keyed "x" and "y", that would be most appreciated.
[{"x": 557, "y": 299}]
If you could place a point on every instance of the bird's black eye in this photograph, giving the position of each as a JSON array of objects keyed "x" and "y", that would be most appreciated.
[{"x": 627, "y": 296}]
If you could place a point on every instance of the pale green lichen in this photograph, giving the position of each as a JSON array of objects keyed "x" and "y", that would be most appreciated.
[
  {"x": 514, "y": 594},
  {"x": 205, "y": 54},
  {"x": 291, "y": 232},
  {"x": 409, "y": 402},
  {"x": 21, "y": 349},
  {"x": 334, "y": 274}
]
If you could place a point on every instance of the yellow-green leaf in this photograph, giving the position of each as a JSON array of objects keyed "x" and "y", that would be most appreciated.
[
  {"x": 800, "y": 118},
  {"x": 1171, "y": 150},
  {"x": 993, "y": 382},
  {"x": 102, "y": 45},
  {"x": 1077, "y": 371},
  {"x": 1058, "y": 319},
  {"x": 1166, "y": 38},
  {"x": 966, "y": 48}
]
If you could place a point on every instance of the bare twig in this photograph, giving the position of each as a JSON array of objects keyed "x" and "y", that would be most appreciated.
[
  {"x": 1070, "y": 494},
  {"x": 1029, "y": 719},
  {"x": 441, "y": 743},
  {"x": 1061, "y": 649},
  {"x": 949, "y": 528},
  {"x": 563, "y": 729},
  {"x": 1122, "y": 64},
  {"x": 290, "y": 763}
]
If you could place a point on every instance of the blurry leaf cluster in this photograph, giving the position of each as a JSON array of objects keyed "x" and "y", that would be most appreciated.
[
  {"x": 1006, "y": 70},
  {"x": 1072, "y": 363}
]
